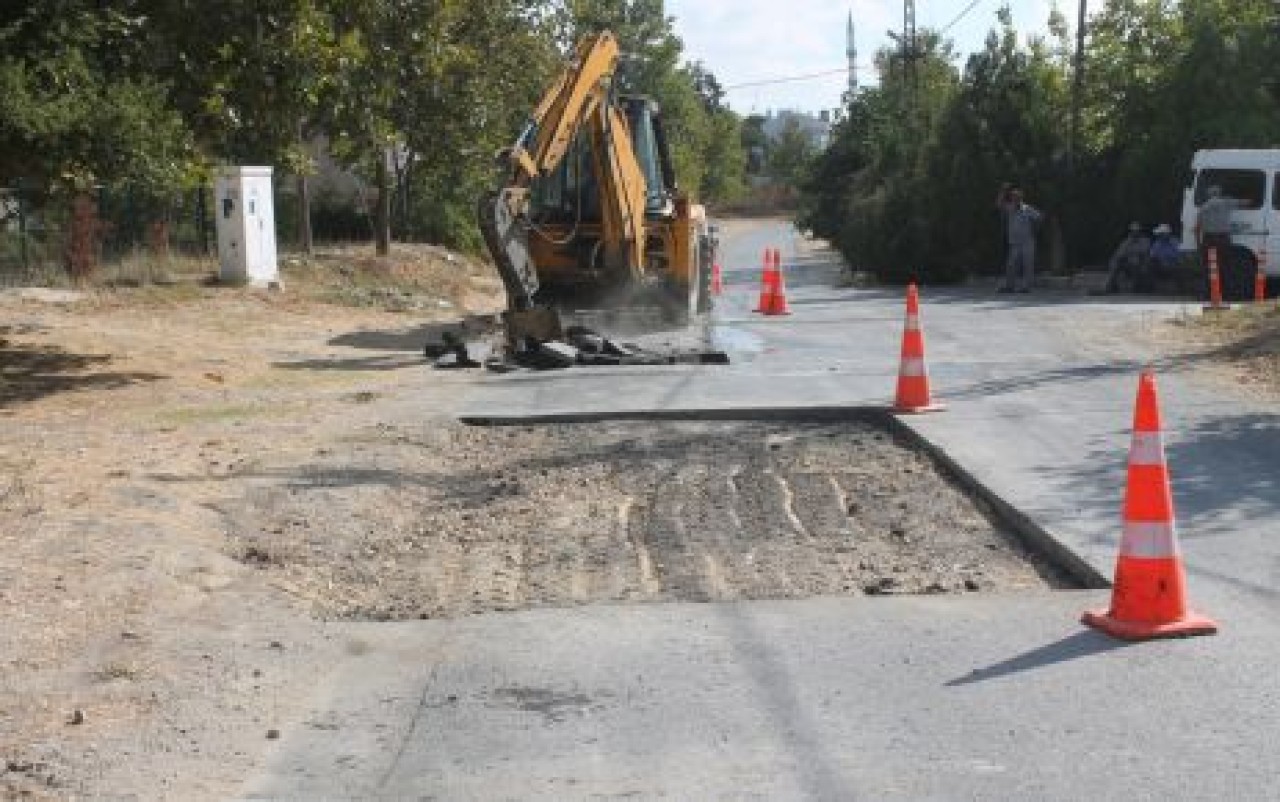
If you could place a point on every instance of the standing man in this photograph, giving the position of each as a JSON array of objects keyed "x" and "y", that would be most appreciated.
[
  {"x": 1213, "y": 227},
  {"x": 1020, "y": 221}
]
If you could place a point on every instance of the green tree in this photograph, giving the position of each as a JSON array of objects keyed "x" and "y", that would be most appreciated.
[
  {"x": 432, "y": 91},
  {"x": 251, "y": 78},
  {"x": 1005, "y": 124},
  {"x": 791, "y": 155},
  {"x": 870, "y": 191},
  {"x": 76, "y": 109},
  {"x": 702, "y": 132},
  {"x": 1169, "y": 78}
]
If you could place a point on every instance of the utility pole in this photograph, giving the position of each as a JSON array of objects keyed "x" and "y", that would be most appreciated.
[
  {"x": 1070, "y": 242},
  {"x": 910, "y": 52},
  {"x": 1077, "y": 86},
  {"x": 910, "y": 49}
]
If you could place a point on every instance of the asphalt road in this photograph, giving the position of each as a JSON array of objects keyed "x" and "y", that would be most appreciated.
[{"x": 913, "y": 698}]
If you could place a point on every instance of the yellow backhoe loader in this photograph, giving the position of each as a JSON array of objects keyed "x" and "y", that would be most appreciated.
[{"x": 589, "y": 209}]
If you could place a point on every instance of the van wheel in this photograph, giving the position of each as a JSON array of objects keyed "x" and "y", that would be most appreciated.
[{"x": 1237, "y": 275}]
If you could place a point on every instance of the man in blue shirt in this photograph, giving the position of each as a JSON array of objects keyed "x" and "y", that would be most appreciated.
[{"x": 1165, "y": 252}]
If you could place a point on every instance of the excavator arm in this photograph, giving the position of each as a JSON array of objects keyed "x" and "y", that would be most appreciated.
[{"x": 579, "y": 101}]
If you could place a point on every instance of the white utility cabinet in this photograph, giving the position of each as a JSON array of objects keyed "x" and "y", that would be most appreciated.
[{"x": 246, "y": 227}]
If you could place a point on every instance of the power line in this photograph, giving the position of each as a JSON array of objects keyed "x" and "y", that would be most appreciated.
[
  {"x": 825, "y": 73},
  {"x": 960, "y": 16},
  {"x": 793, "y": 78}
]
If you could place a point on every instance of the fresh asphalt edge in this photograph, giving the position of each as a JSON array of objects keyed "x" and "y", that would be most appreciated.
[{"x": 1031, "y": 534}]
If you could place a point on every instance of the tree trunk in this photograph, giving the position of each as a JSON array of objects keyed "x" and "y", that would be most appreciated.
[
  {"x": 1057, "y": 248},
  {"x": 382, "y": 214},
  {"x": 304, "y": 202},
  {"x": 304, "y": 216},
  {"x": 83, "y": 241}
]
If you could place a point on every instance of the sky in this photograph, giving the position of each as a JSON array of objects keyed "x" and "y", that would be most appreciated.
[{"x": 742, "y": 41}]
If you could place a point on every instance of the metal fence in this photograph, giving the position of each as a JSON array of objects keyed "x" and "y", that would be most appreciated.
[
  {"x": 44, "y": 236},
  {"x": 40, "y": 233}
]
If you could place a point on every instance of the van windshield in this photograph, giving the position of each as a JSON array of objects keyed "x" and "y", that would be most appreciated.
[{"x": 1247, "y": 186}]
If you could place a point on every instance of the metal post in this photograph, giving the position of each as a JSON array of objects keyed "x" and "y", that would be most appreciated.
[
  {"x": 22, "y": 227},
  {"x": 910, "y": 44},
  {"x": 202, "y": 221},
  {"x": 1077, "y": 87}
]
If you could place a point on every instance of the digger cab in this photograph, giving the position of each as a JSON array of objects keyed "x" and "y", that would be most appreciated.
[
  {"x": 565, "y": 210},
  {"x": 571, "y": 193}
]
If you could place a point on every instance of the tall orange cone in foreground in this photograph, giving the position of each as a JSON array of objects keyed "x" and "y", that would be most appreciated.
[
  {"x": 768, "y": 280},
  {"x": 1215, "y": 284},
  {"x": 913, "y": 377},
  {"x": 777, "y": 303},
  {"x": 1149, "y": 596}
]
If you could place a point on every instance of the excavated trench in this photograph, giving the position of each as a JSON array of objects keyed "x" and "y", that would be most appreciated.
[{"x": 470, "y": 519}]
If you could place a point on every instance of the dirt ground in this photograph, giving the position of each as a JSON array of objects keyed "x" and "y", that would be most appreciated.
[
  {"x": 123, "y": 607},
  {"x": 194, "y": 479},
  {"x": 1240, "y": 347}
]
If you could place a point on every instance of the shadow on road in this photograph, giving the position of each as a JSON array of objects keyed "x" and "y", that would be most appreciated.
[
  {"x": 1084, "y": 643},
  {"x": 1055, "y": 376},
  {"x": 388, "y": 362},
  {"x": 1250, "y": 588},
  {"x": 816, "y": 768},
  {"x": 1123, "y": 367},
  {"x": 1224, "y": 464},
  {"x": 969, "y": 295}
]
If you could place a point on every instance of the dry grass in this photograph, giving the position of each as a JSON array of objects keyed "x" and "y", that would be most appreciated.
[
  {"x": 1245, "y": 340},
  {"x": 412, "y": 278}
]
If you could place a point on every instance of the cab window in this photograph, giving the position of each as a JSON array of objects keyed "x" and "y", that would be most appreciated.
[{"x": 1247, "y": 186}]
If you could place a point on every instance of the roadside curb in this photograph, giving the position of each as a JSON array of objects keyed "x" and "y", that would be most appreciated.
[{"x": 1034, "y": 536}]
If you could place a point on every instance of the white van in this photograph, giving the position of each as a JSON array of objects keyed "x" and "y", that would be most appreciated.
[{"x": 1249, "y": 176}]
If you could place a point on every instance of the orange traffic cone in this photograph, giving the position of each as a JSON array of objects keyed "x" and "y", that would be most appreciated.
[
  {"x": 1148, "y": 598},
  {"x": 717, "y": 280},
  {"x": 768, "y": 278},
  {"x": 1260, "y": 278},
  {"x": 913, "y": 377},
  {"x": 777, "y": 304},
  {"x": 1215, "y": 284}
]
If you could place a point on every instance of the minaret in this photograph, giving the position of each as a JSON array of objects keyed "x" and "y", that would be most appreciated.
[{"x": 851, "y": 50}]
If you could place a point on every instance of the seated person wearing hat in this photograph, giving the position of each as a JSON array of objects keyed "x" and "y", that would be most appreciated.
[
  {"x": 1165, "y": 253},
  {"x": 1129, "y": 259}
]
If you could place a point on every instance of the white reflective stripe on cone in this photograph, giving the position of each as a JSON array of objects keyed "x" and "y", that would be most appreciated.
[
  {"x": 1146, "y": 448},
  {"x": 913, "y": 322},
  {"x": 912, "y": 367},
  {"x": 1150, "y": 539}
]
